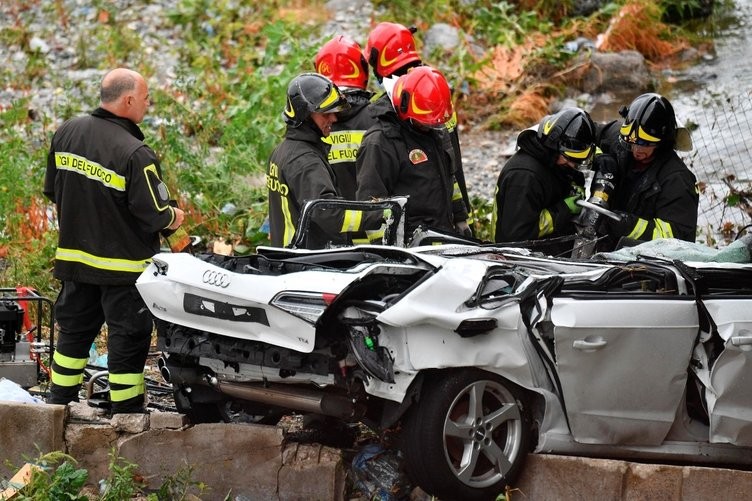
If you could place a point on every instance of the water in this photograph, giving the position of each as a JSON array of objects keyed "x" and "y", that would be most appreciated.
[
  {"x": 715, "y": 96},
  {"x": 729, "y": 71}
]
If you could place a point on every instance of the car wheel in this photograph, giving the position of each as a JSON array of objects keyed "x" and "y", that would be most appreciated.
[{"x": 467, "y": 436}]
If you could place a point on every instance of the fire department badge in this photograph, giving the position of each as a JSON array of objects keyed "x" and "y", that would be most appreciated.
[{"x": 417, "y": 156}]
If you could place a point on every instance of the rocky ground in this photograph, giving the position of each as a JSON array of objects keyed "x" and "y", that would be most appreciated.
[{"x": 483, "y": 152}]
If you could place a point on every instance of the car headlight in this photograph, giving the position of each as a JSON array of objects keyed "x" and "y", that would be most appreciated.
[{"x": 306, "y": 305}]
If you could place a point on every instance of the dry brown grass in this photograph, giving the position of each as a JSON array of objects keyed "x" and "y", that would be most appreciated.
[
  {"x": 34, "y": 222},
  {"x": 515, "y": 86},
  {"x": 528, "y": 108},
  {"x": 637, "y": 26},
  {"x": 303, "y": 12}
]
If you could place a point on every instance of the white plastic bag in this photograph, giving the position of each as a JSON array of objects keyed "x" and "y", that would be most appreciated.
[{"x": 12, "y": 392}]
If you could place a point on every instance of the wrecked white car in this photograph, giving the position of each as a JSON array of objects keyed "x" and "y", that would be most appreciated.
[{"x": 477, "y": 355}]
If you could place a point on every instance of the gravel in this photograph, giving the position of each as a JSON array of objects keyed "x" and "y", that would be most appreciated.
[
  {"x": 483, "y": 155},
  {"x": 64, "y": 84}
]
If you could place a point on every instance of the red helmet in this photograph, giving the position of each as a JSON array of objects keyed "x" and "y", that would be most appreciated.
[
  {"x": 341, "y": 61},
  {"x": 390, "y": 48},
  {"x": 423, "y": 96}
]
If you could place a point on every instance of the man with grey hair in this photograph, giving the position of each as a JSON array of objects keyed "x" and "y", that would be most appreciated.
[{"x": 112, "y": 206}]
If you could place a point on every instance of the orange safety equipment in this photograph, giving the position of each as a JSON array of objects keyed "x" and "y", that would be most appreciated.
[
  {"x": 423, "y": 96},
  {"x": 390, "y": 48},
  {"x": 341, "y": 60}
]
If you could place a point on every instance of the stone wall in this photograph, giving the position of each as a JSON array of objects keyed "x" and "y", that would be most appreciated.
[
  {"x": 243, "y": 461},
  {"x": 251, "y": 462}
]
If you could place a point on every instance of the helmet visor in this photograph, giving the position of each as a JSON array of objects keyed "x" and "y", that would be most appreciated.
[
  {"x": 639, "y": 136},
  {"x": 333, "y": 103},
  {"x": 577, "y": 151}
]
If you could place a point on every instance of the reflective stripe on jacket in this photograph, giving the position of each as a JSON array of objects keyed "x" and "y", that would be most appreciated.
[
  {"x": 397, "y": 160},
  {"x": 663, "y": 196},
  {"x": 111, "y": 200},
  {"x": 298, "y": 171},
  {"x": 530, "y": 190}
]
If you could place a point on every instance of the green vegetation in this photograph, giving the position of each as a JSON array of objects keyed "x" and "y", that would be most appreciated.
[
  {"x": 217, "y": 122},
  {"x": 54, "y": 477}
]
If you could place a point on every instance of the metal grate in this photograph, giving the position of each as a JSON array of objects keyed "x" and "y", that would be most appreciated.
[{"x": 722, "y": 161}]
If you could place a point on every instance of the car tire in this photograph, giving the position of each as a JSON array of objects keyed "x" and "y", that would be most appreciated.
[{"x": 453, "y": 452}]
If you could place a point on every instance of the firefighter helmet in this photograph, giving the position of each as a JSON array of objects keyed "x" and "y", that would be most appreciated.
[
  {"x": 391, "y": 49},
  {"x": 648, "y": 121},
  {"x": 340, "y": 59},
  {"x": 311, "y": 93},
  {"x": 570, "y": 132},
  {"x": 423, "y": 96}
]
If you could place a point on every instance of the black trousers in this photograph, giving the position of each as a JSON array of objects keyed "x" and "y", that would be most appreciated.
[{"x": 80, "y": 311}]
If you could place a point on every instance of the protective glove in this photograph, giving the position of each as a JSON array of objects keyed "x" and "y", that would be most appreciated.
[
  {"x": 619, "y": 228},
  {"x": 577, "y": 190},
  {"x": 463, "y": 228},
  {"x": 571, "y": 203},
  {"x": 606, "y": 165}
]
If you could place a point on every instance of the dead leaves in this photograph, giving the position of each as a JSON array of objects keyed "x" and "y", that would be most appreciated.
[
  {"x": 505, "y": 67},
  {"x": 637, "y": 27},
  {"x": 506, "y": 76},
  {"x": 517, "y": 85}
]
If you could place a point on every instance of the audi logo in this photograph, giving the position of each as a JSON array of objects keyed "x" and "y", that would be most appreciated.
[{"x": 216, "y": 278}]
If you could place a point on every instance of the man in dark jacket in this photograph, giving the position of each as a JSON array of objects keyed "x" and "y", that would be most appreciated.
[
  {"x": 111, "y": 206},
  {"x": 405, "y": 153},
  {"x": 391, "y": 52},
  {"x": 341, "y": 60},
  {"x": 538, "y": 187},
  {"x": 653, "y": 190},
  {"x": 298, "y": 168}
]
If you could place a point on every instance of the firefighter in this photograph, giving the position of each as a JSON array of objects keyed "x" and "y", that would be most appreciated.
[
  {"x": 391, "y": 52},
  {"x": 653, "y": 190},
  {"x": 111, "y": 207},
  {"x": 404, "y": 153},
  {"x": 341, "y": 60},
  {"x": 538, "y": 187},
  {"x": 298, "y": 169}
]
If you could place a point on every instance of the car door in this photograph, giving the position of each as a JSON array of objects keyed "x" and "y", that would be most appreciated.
[
  {"x": 728, "y": 397},
  {"x": 622, "y": 364}
]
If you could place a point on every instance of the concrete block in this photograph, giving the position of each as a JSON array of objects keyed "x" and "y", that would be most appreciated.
[
  {"x": 567, "y": 478},
  {"x": 241, "y": 459},
  {"x": 27, "y": 430},
  {"x": 83, "y": 412},
  {"x": 90, "y": 444},
  {"x": 312, "y": 472},
  {"x": 130, "y": 423},
  {"x": 167, "y": 420},
  {"x": 563, "y": 478},
  {"x": 701, "y": 484},
  {"x": 652, "y": 481}
]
